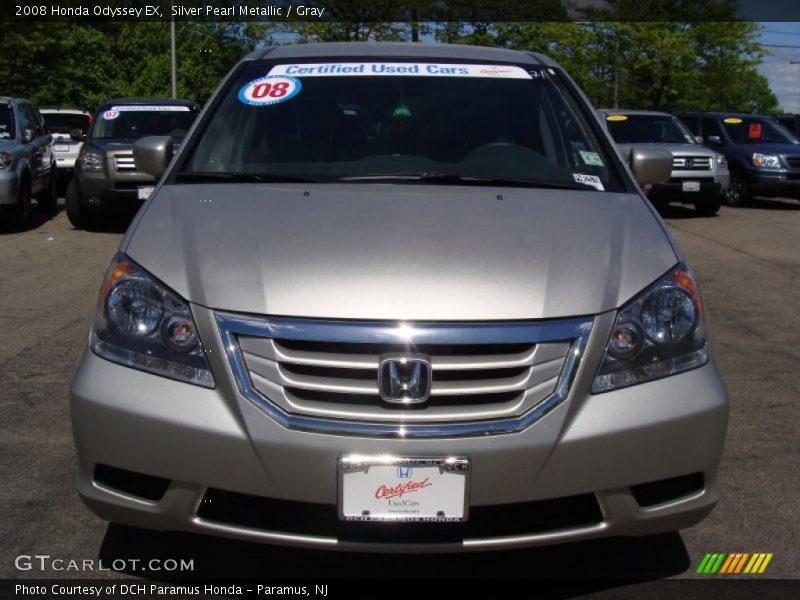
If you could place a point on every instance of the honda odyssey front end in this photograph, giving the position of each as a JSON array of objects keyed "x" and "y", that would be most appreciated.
[{"x": 397, "y": 297}]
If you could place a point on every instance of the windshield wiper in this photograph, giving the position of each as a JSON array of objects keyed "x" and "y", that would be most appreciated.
[
  {"x": 212, "y": 177},
  {"x": 460, "y": 178}
]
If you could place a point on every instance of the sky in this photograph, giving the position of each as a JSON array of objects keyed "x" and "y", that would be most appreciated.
[{"x": 784, "y": 77}]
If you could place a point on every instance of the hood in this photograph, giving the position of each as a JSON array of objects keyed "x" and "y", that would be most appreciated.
[
  {"x": 124, "y": 143},
  {"x": 675, "y": 149},
  {"x": 768, "y": 148},
  {"x": 411, "y": 252}
]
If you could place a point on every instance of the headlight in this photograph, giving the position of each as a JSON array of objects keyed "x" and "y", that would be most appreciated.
[
  {"x": 766, "y": 161},
  {"x": 722, "y": 162},
  {"x": 5, "y": 161},
  {"x": 657, "y": 334},
  {"x": 142, "y": 324},
  {"x": 91, "y": 161}
]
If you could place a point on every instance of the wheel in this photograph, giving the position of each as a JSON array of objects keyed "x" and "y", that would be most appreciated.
[
  {"x": 738, "y": 192},
  {"x": 708, "y": 208},
  {"x": 78, "y": 215},
  {"x": 21, "y": 215},
  {"x": 48, "y": 197}
]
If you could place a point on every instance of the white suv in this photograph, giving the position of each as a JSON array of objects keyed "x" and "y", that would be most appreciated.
[{"x": 60, "y": 122}]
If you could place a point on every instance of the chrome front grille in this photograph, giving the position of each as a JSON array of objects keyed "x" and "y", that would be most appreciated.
[
  {"x": 692, "y": 163},
  {"x": 124, "y": 162},
  {"x": 469, "y": 381},
  {"x": 323, "y": 375}
]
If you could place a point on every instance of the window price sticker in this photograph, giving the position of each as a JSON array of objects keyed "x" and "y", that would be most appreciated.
[{"x": 269, "y": 90}]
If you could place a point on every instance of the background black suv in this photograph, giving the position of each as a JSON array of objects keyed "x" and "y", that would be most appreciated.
[{"x": 105, "y": 173}]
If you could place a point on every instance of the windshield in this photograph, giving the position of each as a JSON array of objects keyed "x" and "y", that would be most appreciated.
[
  {"x": 648, "y": 129},
  {"x": 135, "y": 121},
  {"x": 66, "y": 122},
  {"x": 6, "y": 122},
  {"x": 747, "y": 130},
  {"x": 440, "y": 123}
]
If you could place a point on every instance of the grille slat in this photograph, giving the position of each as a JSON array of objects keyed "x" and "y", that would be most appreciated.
[
  {"x": 692, "y": 163},
  {"x": 793, "y": 161},
  {"x": 270, "y": 350},
  {"x": 124, "y": 162}
]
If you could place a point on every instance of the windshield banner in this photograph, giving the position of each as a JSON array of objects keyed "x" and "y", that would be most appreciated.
[
  {"x": 149, "y": 107},
  {"x": 396, "y": 68}
]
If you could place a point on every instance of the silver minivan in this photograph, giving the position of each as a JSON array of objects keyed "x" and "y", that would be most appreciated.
[{"x": 395, "y": 297}]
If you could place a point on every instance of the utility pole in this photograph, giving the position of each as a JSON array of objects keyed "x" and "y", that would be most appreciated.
[
  {"x": 172, "y": 58},
  {"x": 794, "y": 62},
  {"x": 616, "y": 65}
]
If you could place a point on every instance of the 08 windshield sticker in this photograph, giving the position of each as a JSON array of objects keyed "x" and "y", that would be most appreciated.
[
  {"x": 393, "y": 69},
  {"x": 110, "y": 115},
  {"x": 269, "y": 90},
  {"x": 592, "y": 180}
]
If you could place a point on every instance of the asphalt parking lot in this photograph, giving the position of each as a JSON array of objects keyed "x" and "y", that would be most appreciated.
[{"x": 748, "y": 264}]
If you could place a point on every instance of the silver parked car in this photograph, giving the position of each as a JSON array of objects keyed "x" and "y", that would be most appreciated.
[
  {"x": 27, "y": 163},
  {"x": 61, "y": 121},
  {"x": 395, "y": 297},
  {"x": 699, "y": 177}
]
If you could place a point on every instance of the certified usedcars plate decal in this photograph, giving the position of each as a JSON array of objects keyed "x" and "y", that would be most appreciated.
[
  {"x": 269, "y": 90},
  {"x": 355, "y": 69}
]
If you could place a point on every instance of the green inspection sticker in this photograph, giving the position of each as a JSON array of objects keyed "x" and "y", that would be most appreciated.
[{"x": 591, "y": 158}]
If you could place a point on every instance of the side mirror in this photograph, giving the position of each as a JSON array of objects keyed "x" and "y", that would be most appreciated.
[
  {"x": 714, "y": 139},
  {"x": 152, "y": 154},
  {"x": 650, "y": 165},
  {"x": 77, "y": 135},
  {"x": 27, "y": 136},
  {"x": 698, "y": 139}
]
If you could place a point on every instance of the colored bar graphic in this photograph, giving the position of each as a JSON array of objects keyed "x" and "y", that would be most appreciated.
[
  {"x": 732, "y": 560},
  {"x": 741, "y": 562},
  {"x": 702, "y": 567},
  {"x": 717, "y": 564},
  {"x": 733, "y": 563},
  {"x": 767, "y": 558}
]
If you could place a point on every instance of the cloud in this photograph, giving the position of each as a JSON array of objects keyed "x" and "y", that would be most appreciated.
[{"x": 784, "y": 79}]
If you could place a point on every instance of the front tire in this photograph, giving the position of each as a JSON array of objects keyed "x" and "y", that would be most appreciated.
[
  {"x": 739, "y": 192},
  {"x": 48, "y": 198},
  {"x": 78, "y": 215},
  {"x": 708, "y": 208},
  {"x": 21, "y": 213}
]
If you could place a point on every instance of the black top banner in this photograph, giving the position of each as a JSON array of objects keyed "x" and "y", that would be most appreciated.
[{"x": 474, "y": 11}]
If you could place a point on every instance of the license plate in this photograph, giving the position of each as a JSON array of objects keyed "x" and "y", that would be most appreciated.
[
  {"x": 61, "y": 147},
  {"x": 144, "y": 192},
  {"x": 691, "y": 186},
  {"x": 403, "y": 489}
]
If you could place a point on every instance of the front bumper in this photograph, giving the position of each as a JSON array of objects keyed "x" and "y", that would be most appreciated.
[
  {"x": 96, "y": 190},
  {"x": 774, "y": 183},
  {"x": 9, "y": 187},
  {"x": 216, "y": 442},
  {"x": 673, "y": 189},
  {"x": 65, "y": 161}
]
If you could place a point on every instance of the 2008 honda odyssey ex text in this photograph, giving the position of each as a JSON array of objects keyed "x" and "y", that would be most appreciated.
[{"x": 396, "y": 297}]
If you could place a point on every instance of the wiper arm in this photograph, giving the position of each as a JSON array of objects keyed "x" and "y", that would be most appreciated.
[
  {"x": 460, "y": 178},
  {"x": 212, "y": 177}
]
